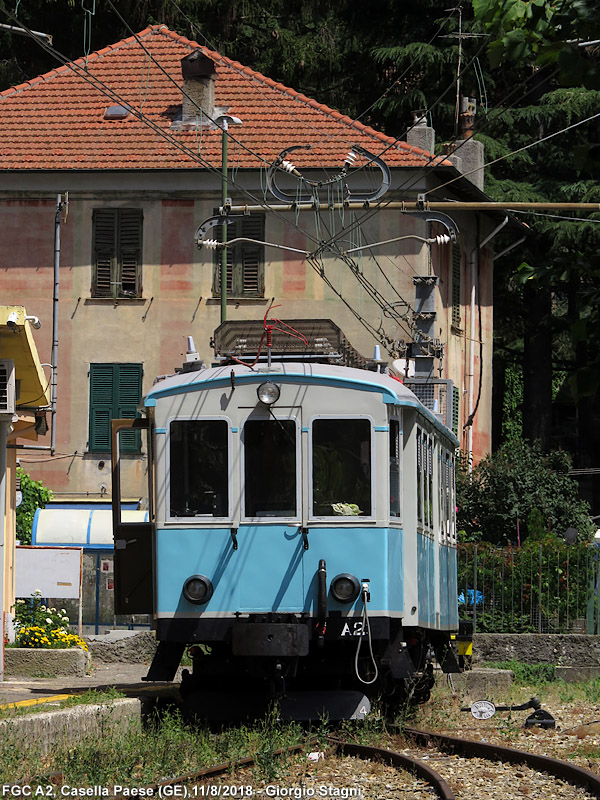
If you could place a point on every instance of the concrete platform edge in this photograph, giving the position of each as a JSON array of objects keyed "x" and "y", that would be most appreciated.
[{"x": 49, "y": 730}]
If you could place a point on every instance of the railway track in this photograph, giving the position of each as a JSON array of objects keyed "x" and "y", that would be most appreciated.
[{"x": 424, "y": 764}]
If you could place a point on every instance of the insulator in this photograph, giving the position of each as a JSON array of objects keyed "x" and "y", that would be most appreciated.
[
  {"x": 351, "y": 157},
  {"x": 211, "y": 244},
  {"x": 288, "y": 166},
  {"x": 443, "y": 238}
]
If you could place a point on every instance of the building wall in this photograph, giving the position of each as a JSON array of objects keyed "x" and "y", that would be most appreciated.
[{"x": 177, "y": 301}]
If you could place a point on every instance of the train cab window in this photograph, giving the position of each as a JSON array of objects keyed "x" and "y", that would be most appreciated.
[
  {"x": 394, "y": 468},
  {"x": 270, "y": 468},
  {"x": 341, "y": 462},
  {"x": 199, "y": 468}
]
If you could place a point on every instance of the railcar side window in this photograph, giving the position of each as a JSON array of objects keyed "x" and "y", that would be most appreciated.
[
  {"x": 425, "y": 498},
  {"x": 199, "y": 467},
  {"x": 270, "y": 468},
  {"x": 394, "y": 468},
  {"x": 341, "y": 461}
]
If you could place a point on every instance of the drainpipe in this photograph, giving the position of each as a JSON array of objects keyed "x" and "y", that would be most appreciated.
[
  {"x": 54, "y": 357},
  {"x": 474, "y": 260}
]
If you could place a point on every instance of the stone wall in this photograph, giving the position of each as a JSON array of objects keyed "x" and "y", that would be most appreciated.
[{"x": 567, "y": 650}]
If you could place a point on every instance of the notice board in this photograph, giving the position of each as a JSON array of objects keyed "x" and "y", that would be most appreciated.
[{"x": 54, "y": 572}]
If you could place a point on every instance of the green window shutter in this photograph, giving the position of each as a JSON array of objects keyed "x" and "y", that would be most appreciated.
[
  {"x": 130, "y": 251},
  {"x": 104, "y": 247},
  {"x": 456, "y": 287},
  {"x": 455, "y": 409},
  {"x": 117, "y": 252},
  {"x": 128, "y": 395},
  {"x": 115, "y": 392},
  {"x": 101, "y": 405},
  {"x": 245, "y": 260}
]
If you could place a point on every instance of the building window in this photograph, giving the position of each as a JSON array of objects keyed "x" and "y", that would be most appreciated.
[
  {"x": 117, "y": 252},
  {"x": 115, "y": 393},
  {"x": 245, "y": 260},
  {"x": 456, "y": 285}
]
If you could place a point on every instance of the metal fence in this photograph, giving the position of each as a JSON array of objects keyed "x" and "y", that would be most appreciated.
[{"x": 541, "y": 587}]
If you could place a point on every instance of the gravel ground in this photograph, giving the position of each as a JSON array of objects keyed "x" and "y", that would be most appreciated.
[{"x": 576, "y": 738}]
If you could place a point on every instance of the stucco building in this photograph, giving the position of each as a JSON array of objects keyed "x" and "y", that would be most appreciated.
[{"x": 132, "y": 137}]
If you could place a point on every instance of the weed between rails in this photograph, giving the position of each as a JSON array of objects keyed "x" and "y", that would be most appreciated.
[{"x": 135, "y": 756}]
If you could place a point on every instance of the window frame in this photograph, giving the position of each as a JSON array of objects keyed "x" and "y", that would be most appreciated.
[
  {"x": 339, "y": 517},
  {"x": 239, "y": 250},
  {"x": 116, "y": 410},
  {"x": 200, "y": 518},
  {"x": 396, "y": 418},
  {"x": 268, "y": 519},
  {"x": 426, "y": 484},
  {"x": 117, "y": 253}
]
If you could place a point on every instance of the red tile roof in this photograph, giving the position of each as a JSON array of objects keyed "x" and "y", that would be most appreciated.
[{"x": 56, "y": 121}]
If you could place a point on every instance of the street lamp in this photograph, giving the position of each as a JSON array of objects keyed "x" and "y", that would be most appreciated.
[{"x": 224, "y": 121}]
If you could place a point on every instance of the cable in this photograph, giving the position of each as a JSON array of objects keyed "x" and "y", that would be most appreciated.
[
  {"x": 366, "y": 625},
  {"x": 519, "y": 150}
]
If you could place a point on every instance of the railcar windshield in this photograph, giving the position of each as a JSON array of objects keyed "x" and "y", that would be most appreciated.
[
  {"x": 199, "y": 468},
  {"x": 341, "y": 462},
  {"x": 270, "y": 468}
]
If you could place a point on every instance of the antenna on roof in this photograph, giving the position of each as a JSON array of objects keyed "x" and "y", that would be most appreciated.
[{"x": 22, "y": 32}]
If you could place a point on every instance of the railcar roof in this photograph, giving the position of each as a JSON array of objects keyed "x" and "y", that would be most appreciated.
[{"x": 393, "y": 391}]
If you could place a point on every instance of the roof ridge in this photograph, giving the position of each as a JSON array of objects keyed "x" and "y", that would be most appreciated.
[
  {"x": 281, "y": 87},
  {"x": 65, "y": 68}
]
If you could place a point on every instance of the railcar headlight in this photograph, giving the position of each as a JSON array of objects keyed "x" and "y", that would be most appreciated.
[
  {"x": 198, "y": 589},
  {"x": 345, "y": 587},
  {"x": 268, "y": 393}
]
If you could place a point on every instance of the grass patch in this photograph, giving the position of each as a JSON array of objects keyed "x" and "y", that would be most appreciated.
[
  {"x": 168, "y": 746},
  {"x": 88, "y": 697},
  {"x": 527, "y": 674}
]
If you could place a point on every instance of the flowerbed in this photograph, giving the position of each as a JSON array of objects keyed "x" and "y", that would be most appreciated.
[{"x": 40, "y": 627}]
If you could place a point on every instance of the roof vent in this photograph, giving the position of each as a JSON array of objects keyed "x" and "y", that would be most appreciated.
[{"x": 117, "y": 112}]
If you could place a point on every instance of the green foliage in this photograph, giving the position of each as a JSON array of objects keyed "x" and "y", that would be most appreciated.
[
  {"x": 543, "y": 586},
  {"x": 527, "y": 674},
  {"x": 35, "y": 495},
  {"x": 38, "y": 626},
  {"x": 511, "y": 485}
]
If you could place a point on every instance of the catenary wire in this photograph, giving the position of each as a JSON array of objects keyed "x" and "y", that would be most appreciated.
[{"x": 112, "y": 94}]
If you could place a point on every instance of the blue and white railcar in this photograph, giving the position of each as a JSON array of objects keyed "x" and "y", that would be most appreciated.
[{"x": 303, "y": 531}]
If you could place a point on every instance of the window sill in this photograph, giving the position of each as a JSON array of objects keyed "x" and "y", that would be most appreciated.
[
  {"x": 105, "y": 455},
  {"x": 115, "y": 301},
  {"x": 244, "y": 300}
]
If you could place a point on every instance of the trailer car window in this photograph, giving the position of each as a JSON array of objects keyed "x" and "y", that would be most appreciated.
[
  {"x": 394, "y": 468},
  {"x": 199, "y": 467},
  {"x": 270, "y": 468},
  {"x": 341, "y": 461}
]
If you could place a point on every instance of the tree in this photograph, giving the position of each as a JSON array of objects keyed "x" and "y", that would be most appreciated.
[
  {"x": 520, "y": 485},
  {"x": 35, "y": 495}
]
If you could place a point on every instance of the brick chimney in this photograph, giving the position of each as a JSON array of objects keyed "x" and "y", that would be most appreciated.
[{"x": 199, "y": 88}]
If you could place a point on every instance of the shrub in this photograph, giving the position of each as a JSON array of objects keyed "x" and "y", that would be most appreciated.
[
  {"x": 519, "y": 482},
  {"x": 35, "y": 495},
  {"x": 39, "y": 626}
]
